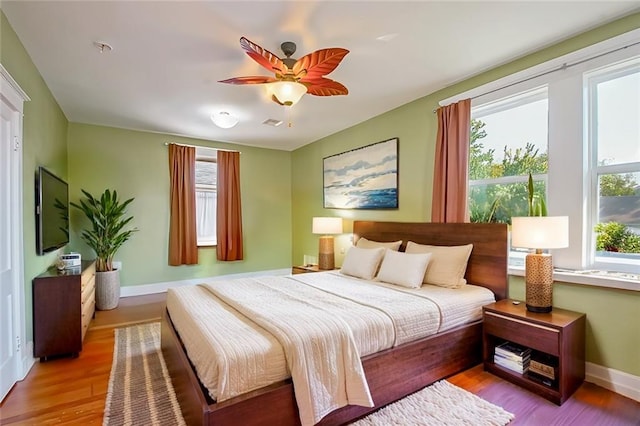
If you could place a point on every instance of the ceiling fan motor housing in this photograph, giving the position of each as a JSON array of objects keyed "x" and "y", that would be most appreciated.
[{"x": 288, "y": 48}]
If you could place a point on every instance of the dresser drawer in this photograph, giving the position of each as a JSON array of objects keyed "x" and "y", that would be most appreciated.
[
  {"x": 535, "y": 336},
  {"x": 88, "y": 293},
  {"x": 88, "y": 309},
  {"x": 88, "y": 276}
]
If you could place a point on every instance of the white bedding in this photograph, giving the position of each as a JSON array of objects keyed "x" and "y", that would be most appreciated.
[
  {"x": 378, "y": 315},
  {"x": 454, "y": 306},
  {"x": 320, "y": 349}
]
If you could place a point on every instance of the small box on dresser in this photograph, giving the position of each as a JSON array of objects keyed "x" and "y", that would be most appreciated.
[
  {"x": 63, "y": 306},
  {"x": 556, "y": 339}
]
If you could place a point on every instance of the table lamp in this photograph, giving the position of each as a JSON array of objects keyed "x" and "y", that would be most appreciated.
[
  {"x": 539, "y": 232},
  {"x": 326, "y": 226}
]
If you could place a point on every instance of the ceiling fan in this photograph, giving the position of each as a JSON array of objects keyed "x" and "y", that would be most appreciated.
[{"x": 293, "y": 78}]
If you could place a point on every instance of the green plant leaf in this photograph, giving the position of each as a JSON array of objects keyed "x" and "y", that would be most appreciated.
[{"x": 106, "y": 234}]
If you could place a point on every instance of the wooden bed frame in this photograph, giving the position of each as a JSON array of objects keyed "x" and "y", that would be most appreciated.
[{"x": 391, "y": 374}]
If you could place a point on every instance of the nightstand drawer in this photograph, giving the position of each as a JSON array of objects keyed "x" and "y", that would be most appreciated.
[{"x": 535, "y": 336}]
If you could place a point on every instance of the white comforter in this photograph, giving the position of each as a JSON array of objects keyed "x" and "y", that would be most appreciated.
[
  {"x": 321, "y": 352},
  {"x": 233, "y": 354}
]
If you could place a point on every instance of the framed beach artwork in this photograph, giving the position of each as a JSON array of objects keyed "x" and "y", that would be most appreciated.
[{"x": 363, "y": 178}]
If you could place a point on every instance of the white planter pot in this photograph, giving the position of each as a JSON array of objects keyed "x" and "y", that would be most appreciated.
[{"x": 107, "y": 290}]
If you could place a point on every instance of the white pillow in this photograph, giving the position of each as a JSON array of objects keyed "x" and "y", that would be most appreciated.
[
  {"x": 361, "y": 262},
  {"x": 364, "y": 243},
  {"x": 447, "y": 265},
  {"x": 405, "y": 269}
]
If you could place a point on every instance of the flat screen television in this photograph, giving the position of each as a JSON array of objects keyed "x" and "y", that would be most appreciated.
[{"x": 52, "y": 212}]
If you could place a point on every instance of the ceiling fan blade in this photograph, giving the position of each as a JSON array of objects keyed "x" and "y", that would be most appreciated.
[
  {"x": 263, "y": 56},
  {"x": 319, "y": 63},
  {"x": 253, "y": 79},
  {"x": 324, "y": 87}
]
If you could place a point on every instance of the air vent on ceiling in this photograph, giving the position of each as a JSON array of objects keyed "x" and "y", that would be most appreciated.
[{"x": 272, "y": 122}]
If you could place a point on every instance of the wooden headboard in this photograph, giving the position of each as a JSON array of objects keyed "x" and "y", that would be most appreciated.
[{"x": 487, "y": 264}]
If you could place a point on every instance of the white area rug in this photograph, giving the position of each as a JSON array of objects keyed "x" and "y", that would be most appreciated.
[{"x": 439, "y": 404}]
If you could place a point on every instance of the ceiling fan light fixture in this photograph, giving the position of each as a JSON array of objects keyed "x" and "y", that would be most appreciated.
[
  {"x": 224, "y": 120},
  {"x": 287, "y": 92}
]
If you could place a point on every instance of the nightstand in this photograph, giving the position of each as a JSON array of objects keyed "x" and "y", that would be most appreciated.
[
  {"x": 557, "y": 336},
  {"x": 305, "y": 269}
]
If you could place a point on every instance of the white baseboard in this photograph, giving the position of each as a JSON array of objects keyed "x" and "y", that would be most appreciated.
[
  {"x": 617, "y": 381},
  {"x": 27, "y": 360},
  {"x": 141, "y": 290}
]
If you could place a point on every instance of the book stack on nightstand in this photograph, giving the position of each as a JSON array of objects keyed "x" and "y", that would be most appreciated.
[{"x": 513, "y": 357}]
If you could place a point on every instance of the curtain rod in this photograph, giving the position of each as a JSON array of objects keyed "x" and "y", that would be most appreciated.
[
  {"x": 200, "y": 146},
  {"x": 560, "y": 68}
]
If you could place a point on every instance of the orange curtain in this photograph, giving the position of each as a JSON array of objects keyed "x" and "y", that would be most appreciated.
[
  {"x": 229, "y": 219},
  {"x": 183, "y": 238},
  {"x": 451, "y": 174}
]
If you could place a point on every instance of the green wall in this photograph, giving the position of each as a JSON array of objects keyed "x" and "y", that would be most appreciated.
[
  {"x": 411, "y": 124},
  {"x": 136, "y": 164},
  {"x": 613, "y": 339},
  {"x": 44, "y": 144}
]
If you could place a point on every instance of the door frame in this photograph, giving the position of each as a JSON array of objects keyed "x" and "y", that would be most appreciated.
[{"x": 13, "y": 95}]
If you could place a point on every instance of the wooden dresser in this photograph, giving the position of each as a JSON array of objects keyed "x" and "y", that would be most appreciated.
[{"x": 63, "y": 306}]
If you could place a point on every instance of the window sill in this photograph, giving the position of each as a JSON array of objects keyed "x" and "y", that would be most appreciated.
[
  {"x": 205, "y": 245},
  {"x": 593, "y": 278}
]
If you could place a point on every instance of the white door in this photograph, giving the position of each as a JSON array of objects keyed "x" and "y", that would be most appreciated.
[{"x": 11, "y": 254}]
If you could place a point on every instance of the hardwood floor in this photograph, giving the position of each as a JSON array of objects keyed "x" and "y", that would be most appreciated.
[
  {"x": 589, "y": 405},
  {"x": 71, "y": 391}
]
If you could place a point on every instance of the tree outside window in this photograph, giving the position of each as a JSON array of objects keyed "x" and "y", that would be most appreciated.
[{"x": 498, "y": 174}]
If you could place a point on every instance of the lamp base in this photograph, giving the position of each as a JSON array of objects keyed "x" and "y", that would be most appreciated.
[
  {"x": 539, "y": 309},
  {"x": 326, "y": 256},
  {"x": 539, "y": 282}
]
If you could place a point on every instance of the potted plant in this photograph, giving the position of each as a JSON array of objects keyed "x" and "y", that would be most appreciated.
[{"x": 105, "y": 236}]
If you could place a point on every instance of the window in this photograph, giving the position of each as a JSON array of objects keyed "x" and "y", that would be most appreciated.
[
  {"x": 614, "y": 134},
  {"x": 206, "y": 196},
  {"x": 577, "y": 130},
  {"x": 508, "y": 141}
]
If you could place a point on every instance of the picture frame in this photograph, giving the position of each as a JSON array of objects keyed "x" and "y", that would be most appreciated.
[{"x": 362, "y": 178}]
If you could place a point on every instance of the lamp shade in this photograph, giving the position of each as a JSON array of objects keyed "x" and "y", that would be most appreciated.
[
  {"x": 224, "y": 120},
  {"x": 327, "y": 225},
  {"x": 287, "y": 92},
  {"x": 540, "y": 232}
]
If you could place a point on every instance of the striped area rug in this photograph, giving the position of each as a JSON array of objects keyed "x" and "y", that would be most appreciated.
[
  {"x": 140, "y": 390},
  {"x": 441, "y": 404}
]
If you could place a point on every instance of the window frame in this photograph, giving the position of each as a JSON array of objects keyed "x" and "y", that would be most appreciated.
[
  {"x": 591, "y": 79},
  {"x": 567, "y": 139},
  {"x": 503, "y": 104}
]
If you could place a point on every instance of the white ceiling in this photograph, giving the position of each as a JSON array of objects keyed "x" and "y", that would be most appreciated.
[{"x": 162, "y": 74}]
